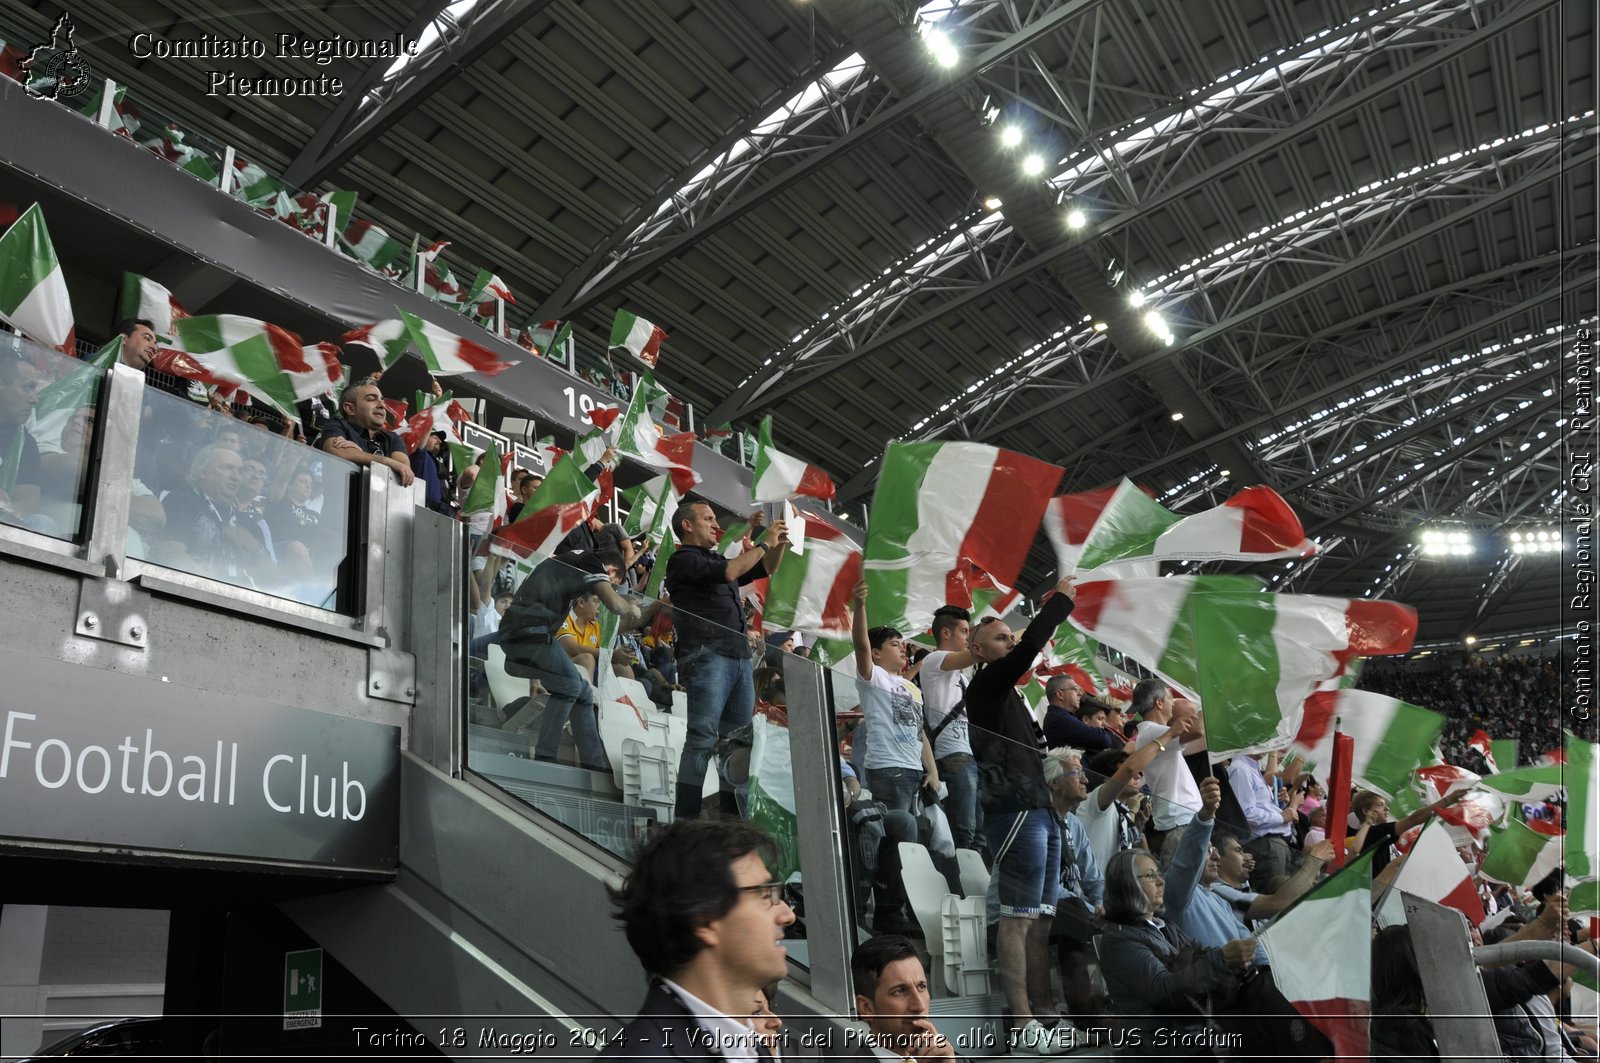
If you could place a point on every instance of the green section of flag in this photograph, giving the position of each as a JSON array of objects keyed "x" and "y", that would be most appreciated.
[
  {"x": 485, "y": 493},
  {"x": 1128, "y": 527}
]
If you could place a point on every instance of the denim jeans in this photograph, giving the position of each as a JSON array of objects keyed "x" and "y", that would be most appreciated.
[
  {"x": 895, "y": 787},
  {"x": 572, "y": 697},
  {"x": 1027, "y": 862},
  {"x": 959, "y": 773},
  {"x": 722, "y": 696}
]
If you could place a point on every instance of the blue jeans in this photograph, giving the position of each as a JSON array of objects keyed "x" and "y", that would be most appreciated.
[
  {"x": 959, "y": 773},
  {"x": 572, "y": 697},
  {"x": 895, "y": 787},
  {"x": 722, "y": 696},
  {"x": 1027, "y": 861}
]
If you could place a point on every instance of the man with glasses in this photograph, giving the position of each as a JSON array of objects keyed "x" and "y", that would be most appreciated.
[
  {"x": 703, "y": 915},
  {"x": 1082, "y": 887}
]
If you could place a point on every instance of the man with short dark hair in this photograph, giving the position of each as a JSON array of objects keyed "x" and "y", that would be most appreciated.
[
  {"x": 139, "y": 343},
  {"x": 943, "y": 676},
  {"x": 891, "y": 990},
  {"x": 703, "y": 915},
  {"x": 898, "y": 760},
  {"x": 713, "y": 650},
  {"x": 361, "y": 433}
]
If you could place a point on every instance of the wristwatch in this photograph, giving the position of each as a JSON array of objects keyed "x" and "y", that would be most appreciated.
[{"x": 1161, "y": 745}]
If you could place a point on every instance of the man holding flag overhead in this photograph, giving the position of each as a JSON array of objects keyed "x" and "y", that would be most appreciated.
[{"x": 713, "y": 653}]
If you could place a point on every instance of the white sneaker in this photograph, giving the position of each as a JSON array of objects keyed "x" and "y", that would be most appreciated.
[{"x": 1036, "y": 1039}]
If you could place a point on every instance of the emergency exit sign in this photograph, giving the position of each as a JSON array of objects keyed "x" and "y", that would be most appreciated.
[{"x": 302, "y": 989}]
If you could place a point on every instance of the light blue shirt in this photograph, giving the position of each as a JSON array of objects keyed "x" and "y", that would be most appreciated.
[
  {"x": 1206, "y": 917},
  {"x": 1256, "y": 799},
  {"x": 1085, "y": 869}
]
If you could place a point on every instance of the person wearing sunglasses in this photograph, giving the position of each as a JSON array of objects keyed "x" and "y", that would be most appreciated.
[{"x": 705, "y": 918}]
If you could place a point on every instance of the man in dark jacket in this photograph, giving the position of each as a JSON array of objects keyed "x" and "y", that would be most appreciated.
[
  {"x": 1018, "y": 820},
  {"x": 703, "y": 915}
]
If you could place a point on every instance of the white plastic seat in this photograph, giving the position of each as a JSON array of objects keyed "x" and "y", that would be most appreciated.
[{"x": 974, "y": 876}]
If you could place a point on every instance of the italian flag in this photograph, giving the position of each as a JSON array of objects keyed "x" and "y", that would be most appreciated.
[
  {"x": 78, "y": 387},
  {"x": 145, "y": 299},
  {"x": 942, "y": 509},
  {"x": 268, "y": 360},
  {"x": 33, "y": 290},
  {"x": 1131, "y": 532},
  {"x": 638, "y": 436},
  {"x": 372, "y": 246},
  {"x": 1435, "y": 872},
  {"x": 1322, "y": 957},
  {"x": 638, "y": 337},
  {"x": 1070, "y": 652},
  {"x": 779, "y": 477},
  {"x": 650, "y": 508},
  {"x": 1536, "y": 782},
  {"x": 443, "y": 352},
  {"x": 1252, "y": 658},
  {"x": 1585, "y": 898},
  {"x": 1392, "y": 738},
  {"x": 488, "y": 493},
  {"x": 1523, "y": 853},
  {"x": 1481, "y": 741},
  {"x": 810, "y": 592},
  {"x": 441, "y": 416},
  {"x": 772, "y": 801},
  {"x": 487, "y": 289},
  {"x": 561, "y": 503}
]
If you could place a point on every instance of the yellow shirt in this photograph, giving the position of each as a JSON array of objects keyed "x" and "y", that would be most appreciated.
[{"x": 587, "y": 635}]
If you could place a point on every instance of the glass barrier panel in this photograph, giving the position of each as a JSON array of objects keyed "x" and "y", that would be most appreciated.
[
  {"x": 596, "y": 701},
  {"x": 149, "y": 127},
  {"x": 47, "y": 416},
  {"x": 234, "y": 501}
]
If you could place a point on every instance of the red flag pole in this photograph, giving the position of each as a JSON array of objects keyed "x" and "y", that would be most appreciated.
[{"x": 1344, "y": 752}]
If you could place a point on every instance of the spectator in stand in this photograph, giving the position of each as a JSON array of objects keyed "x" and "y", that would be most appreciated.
[
  {"x": 528, "y": 636},
  {"x": 1377, "y": 831},
  {"x": 1067, "y": 724},
  {"x": 1272, "y": 827},
  {"x": 713, "y": 651},
  {"x": 703, "y": 915},
  {"x": 1111, "y": 823},
  {"x": 1172, "y": 785},
  {"x": 21, "y": 475},
  {"x": 899, "y": 758},
  {"x": 204, "y": 533},
  {"x": 425, "y": 467},
  {"x": 524, "y": 483},
  {"x": 1080, "y": 890},
  {"x": 580, "y": 636},
  {"x": 943, "y": 675},
  {"x": 891, "y": 989},
  {"x": 1019, "y": 821},
  {"x": 359, "y": 434}
]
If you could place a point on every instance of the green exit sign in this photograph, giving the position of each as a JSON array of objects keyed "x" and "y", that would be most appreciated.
[{"x": 302, "y": 989}]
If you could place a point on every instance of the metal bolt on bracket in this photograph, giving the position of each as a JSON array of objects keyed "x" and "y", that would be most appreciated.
[{"x": 89, "y": 620}]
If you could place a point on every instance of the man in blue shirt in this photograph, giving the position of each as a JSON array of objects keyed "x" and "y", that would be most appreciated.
[
  {"x": 713, "y": 650},
  {"x": 359, "y": 434}
]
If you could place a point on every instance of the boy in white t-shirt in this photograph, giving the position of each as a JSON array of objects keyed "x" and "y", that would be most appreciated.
[{"x": 898, "y": 758}]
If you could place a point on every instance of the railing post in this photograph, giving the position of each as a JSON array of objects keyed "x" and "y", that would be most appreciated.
[{"x": 116, "y": 440}]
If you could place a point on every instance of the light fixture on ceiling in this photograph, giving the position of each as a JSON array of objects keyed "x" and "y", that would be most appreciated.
[
  {"x": 1177, "y": 415},
  {"x": 1471, "y": 640},
  {"x": 1226, "y": 473},
  {"x": 1446, "y": 542},
  {"x": 1136, "y": 299},
  {"x": 941, "y": 47},
  {"x": 1076, "y": 219},
  {"x": 991, "y": 203},
  {"x": 1100, "y": 326},
  {"x": 1011, "y": 136},
  {"x": 1033, "y": 165}
]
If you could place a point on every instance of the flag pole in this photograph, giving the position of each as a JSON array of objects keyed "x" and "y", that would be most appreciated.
[{"x": 1339, "y": 791}]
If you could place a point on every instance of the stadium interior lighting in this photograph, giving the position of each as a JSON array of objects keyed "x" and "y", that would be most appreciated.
[
  {"x": 941, "y": 47},
  {"x": 1177, "y": 415},
  {"x": 1011, "y": 136},
  {"x": 1076, "y": 219},
  {"x": 1033, "y": 165},
  {"x": 1136, "y": 300},
  {"x": 1446, "y": 542},
  {"x": 991, "y": 203},
  {"x": 1536, "y": 541}
]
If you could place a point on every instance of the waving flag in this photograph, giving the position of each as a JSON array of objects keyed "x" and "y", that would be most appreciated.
[
  {"x": 638, "y": 337},
  {"x": 1392, "y": 738},
  {"x": 559, "y": 505},
  {"x": 1435, "y": 872},
  {"x": 1523, "y": 853},
  {"x": 1583, "y": 792},
  {"x": 811, "y": 591},
  {"x": 76, "y": 388},
  {"x": 487, "y": 289},
  {"x": 372, "y": 246},
  {"x": 1068, "y": 520},
  {"x": 942, "y": 509},
  {"x": 33, "y": 290},
  {"x": 1131, "y": 532},
  {"x": 1072, "y": 653},
  {"x": 1322, "y": 957},
  {"x": 1251, "y": 658},
  {"x": 1481, "y": 741},
  {"x": 488, "y": 492},
  {"x": 638, "y": 436},
  {"x": 443, "y": 352},
  {"x": 772, "y": 799},
  {"x": 778, "y": 476},
  {"x": 268, "y": 360},
  {"x": 650, "y": 508},
  {"x": 144, "y": 299},
  {"x": 443, "y": 414}
]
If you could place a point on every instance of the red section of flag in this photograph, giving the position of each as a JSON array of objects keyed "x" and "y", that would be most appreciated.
[
  {"x": 398, "y": 411},
  {"x": 1092, "y": 597},
  {"x": 480, "y": 358},
  {"x": 650, "y": 353},
  {"x": 1344, "y": 1022},
  {"x": 814, "y": 483},
  {"x": 607, "y": 489},
  {"x": 679, "y": 449},
  {"x": 603, "y": 417},
  {"x": 1077, "y": 513},
  {"x": 1269, "y": 524},
  {"x": 1380, "y": 628},
  {"x": 1344, "y": 751},
  {"x": 1007, "y": 521}
]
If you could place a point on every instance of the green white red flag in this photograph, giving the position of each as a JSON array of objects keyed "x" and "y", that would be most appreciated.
[
  {"x": 1392, "y": 737},
  {"x": 638, "y": 337},
  {"x": 144, "y": 299},
  {"x": 33, "y": 290},
  {"x": 778, "y": 476},
  {"x": 1130, "y": 533},
  {"x": 78, "y": 386},
  {"x": 1522, "y": 853},
  {"x": 488, "y": 492},
  {"x": 561, "y": 503},
  {"x": 443, "y": 352},
  {"x": 942, "y": 510},
  {"x": 1252, "y": 658},
  {"x": 371, "y": 245},
  {"x": 772, "y": 798},
  {"x": 1481, "y": 742},
  {"x": 638, "y": 436},
  {"x": 1583, "y": 793},
  {"x": 1322, "y": 957},
  {"x": 486, "y": 292},
  {"x": 270, "y": 361},
  {"x": 441, "y": 416},
  {"x": 811, "y": 591},
  {"x": 1435, "y": 872},
  {"x": 1071, "y": 652}
]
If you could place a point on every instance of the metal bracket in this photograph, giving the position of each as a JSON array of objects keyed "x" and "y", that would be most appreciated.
[
  {"x": 114, "y": 611},
  {"x": 391, "y": 675}
]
